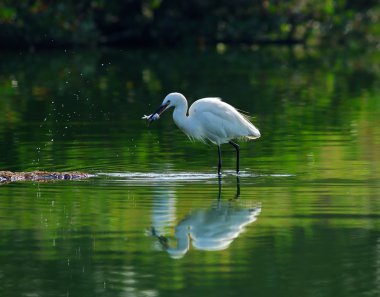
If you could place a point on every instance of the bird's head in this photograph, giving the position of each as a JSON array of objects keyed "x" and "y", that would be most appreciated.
[{"x": 171, "y": 100}]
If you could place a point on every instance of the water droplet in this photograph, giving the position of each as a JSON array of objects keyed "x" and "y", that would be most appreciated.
[{"x": 14, "y": 83}]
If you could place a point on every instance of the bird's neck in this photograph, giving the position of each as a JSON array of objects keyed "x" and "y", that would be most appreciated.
[
  {"x": 180, "y": 117},
  {"x": 183, "y": 246}
]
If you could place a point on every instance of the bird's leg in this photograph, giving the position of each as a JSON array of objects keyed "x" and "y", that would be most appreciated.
[
  {"x": 237, "y": 196},
  {"x": 219, "y": 161},
  {"x": 236, "y": 146},
  {"x": 219, "y": 189},
  {"x": 219, "y": 185}
]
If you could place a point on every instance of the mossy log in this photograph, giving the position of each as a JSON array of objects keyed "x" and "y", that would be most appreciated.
[{"x": 9, "y": 176}]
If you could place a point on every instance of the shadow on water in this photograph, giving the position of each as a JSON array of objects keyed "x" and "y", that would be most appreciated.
[{"x": 210, "y": 229}]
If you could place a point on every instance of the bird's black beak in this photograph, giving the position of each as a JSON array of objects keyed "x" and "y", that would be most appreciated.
[{"x": 159, "y": 110}]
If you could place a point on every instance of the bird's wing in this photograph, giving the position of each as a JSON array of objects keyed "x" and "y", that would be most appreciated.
[
  {"x": 216, "y": 107},
  {"x": 220, "y": 120},
  {"x": 208, "y": 115},
  {"x": 204, "y": 104}
]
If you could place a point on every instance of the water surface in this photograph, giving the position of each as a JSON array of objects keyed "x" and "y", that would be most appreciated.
[{"x": 303, "y": 218}]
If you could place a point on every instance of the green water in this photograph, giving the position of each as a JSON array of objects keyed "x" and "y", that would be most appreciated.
[{"x": 303, "y": 219}]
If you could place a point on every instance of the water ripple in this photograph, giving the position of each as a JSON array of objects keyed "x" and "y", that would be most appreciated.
[{"x": 180, "y": 176}]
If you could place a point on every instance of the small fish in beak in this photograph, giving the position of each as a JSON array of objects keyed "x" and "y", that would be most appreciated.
[
  {"x": 151, "y": 117},
  {"x": 156, "y": 115}
]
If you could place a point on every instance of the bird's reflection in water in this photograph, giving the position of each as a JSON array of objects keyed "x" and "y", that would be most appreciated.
[{"x": 211, "y": 229}]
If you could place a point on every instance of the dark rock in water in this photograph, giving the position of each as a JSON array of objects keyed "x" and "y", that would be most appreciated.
[{"x": 9, "y": 176}]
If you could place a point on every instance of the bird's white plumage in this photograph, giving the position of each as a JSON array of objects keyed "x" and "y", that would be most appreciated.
[{"x": 210, "y": 119}]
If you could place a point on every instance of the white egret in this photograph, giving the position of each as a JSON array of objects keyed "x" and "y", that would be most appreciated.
[
  {"x": 209, "y": 119},
  {"x": 212, "y": 229}
]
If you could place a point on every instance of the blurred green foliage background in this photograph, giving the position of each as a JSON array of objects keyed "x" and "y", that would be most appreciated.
[{"x": 47, "y": 23}]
